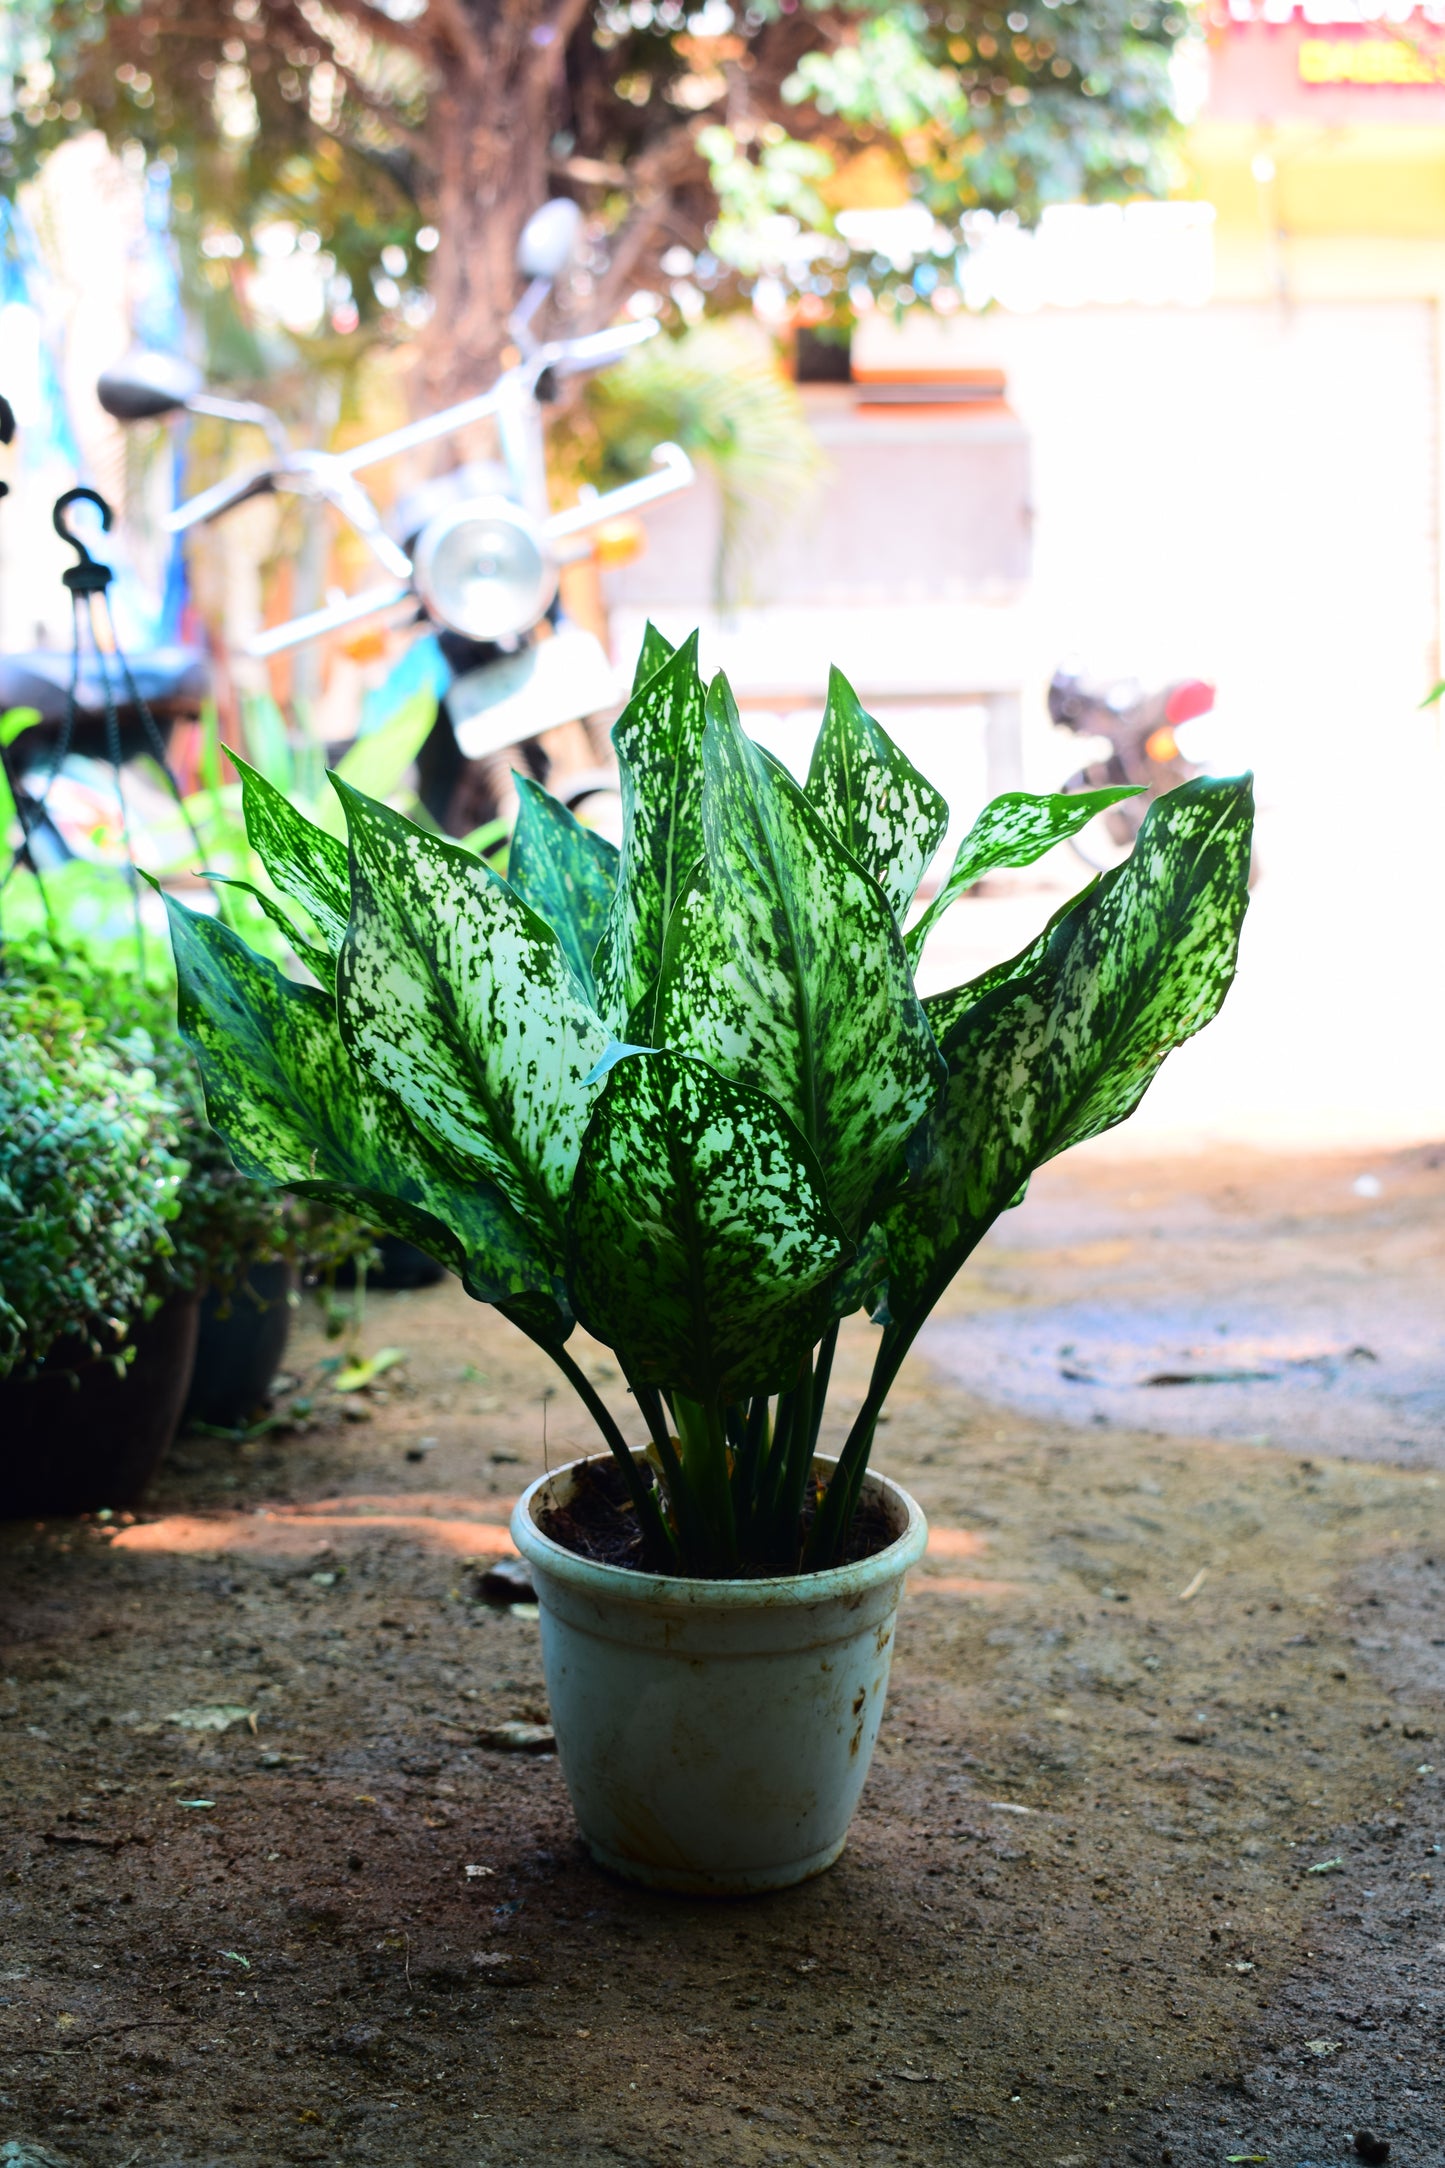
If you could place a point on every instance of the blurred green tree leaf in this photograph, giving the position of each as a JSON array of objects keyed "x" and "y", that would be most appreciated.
[{"x": 405, "y": 142}]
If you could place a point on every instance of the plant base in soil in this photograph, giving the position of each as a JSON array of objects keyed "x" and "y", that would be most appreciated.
[{"x": 599, "y": 1522}]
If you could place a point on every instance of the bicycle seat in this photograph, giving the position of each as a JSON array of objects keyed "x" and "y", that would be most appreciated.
[{"x": 173, "y": 681}]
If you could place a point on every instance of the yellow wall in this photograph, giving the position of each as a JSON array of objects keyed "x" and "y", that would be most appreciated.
[{"x": 1348, "y": 213}]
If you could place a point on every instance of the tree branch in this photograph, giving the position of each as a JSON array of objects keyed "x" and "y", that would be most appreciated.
[
  {"x": 590, "y": 172},
  {"x": 462, "y": 35}
]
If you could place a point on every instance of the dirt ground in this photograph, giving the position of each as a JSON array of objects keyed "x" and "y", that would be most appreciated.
[{"x": 1148, "y": 1868}]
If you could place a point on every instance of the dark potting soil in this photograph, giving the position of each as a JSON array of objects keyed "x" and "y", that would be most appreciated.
[{"x": 599, "y": 1523}]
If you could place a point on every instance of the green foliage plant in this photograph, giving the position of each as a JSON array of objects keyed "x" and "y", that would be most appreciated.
[
  {"x": 725, "y": 1121},
  {"x": 91, "y": 1176}
]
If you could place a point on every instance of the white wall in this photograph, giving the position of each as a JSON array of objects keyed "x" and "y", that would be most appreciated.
[
  {"x": 1246, "y": 492},
  {"x": 1251, "y": 493}
]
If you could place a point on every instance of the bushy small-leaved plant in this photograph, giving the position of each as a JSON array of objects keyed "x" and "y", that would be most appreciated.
[
  {"x": 90, "y": 1181},
  {"x": 688, "y": 1093}
]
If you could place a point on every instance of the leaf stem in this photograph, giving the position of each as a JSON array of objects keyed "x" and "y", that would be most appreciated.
[
  {"x": 822, "y": 1373},
  {"x": 835, "y": 1512},
  {"x": 794, "y": 1475},
  {"x": 775, "y": 1467},
  {"x": 657, "y": 1538},
  {"x": 686, "y": 1512},
  {"x": 750, "y": 1460},
  {"x": 703, "y": 1444}
]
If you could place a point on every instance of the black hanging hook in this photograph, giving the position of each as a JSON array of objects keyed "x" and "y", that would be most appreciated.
[
  {"x": 88, "y": 577},
  {"x": 7, "y": 432}
]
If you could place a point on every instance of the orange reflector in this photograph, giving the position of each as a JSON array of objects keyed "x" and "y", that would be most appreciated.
[
  {"x": 619, "y": 542},
  {"x": 1161, "y": 744}
]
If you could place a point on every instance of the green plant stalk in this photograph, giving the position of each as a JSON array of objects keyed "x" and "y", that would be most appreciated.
[
  {"x": 771, "y": 1473},
  {"x": 691, "y": 1535},
  {"x": 749, "y": 1458},
  {"x": 822, "y": 1375},
  {"x": 656, "y": 1536},
  {"x": 793, "y": 1471},
  {"x": 703, "y": 1441},
  {"x": 840, "y": 1500}
]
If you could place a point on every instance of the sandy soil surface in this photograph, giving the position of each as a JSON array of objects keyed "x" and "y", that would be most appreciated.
[{"x": 1148, "y": 1868}]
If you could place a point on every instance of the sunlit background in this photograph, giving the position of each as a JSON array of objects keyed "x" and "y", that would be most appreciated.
[{"x": 1200, "y": 436}]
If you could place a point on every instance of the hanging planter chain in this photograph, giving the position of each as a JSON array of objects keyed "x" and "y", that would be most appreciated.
[{"x": 88, "y": 581}]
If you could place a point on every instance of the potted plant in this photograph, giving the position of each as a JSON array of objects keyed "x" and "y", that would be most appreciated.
[
  {"x": 689, "y": 1095},
  {"x": 96, "y": 1343},
  {"x": 238, "y": 1244}
]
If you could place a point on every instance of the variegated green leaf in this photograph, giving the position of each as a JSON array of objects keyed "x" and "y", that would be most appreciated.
[
  {"x": 701, "y": 1244},
  {"x": 565, "y": 872},
  {"x": 859, "y": 1284},
  {"x": 305, "y": 863},
  {"x": 655, "y": 650},
  {"x": 785, "y": 969},
  {"x": 295, "y": 1109},
  {"x": 945, "y": 1011},
  {"x": 875, "y": 801},
  {"x": 1013, "y": 830},
  {"x": 318, "y": 960},
  {"x": 658, "y": 738},
  {"x": 458, "y": 999},
  {"x": 1066, "y": 1046}
]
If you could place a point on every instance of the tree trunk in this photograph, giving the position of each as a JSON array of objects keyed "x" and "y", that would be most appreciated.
[{"x": 490, "y": 123}]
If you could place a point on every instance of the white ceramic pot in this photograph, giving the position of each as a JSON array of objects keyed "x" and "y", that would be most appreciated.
[{"x": 715, "y": 1735}]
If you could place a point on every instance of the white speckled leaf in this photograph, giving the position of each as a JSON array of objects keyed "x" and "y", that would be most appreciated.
[
  {"x": 701, "y": 1244},
  {"x": 321, "y": 961},
  {"x": 658, "y": 738},
  {"x": 1012, "y": 830},
  {"x": 458, "y": 999},
  {"x": 566, "y": 873},
  {"x": 305, "y": 863},
  {"x": 945, "y": 1011},
  {"x": 295, "y": 1109},
  {"x": 1067, "y": 1040},
  {"x": 653, "y": 653},
  {"x": 875, "y": 801},
  {"x": 785, "y": 969}
]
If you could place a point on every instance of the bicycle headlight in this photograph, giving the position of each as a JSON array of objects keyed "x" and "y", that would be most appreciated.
[{"x": 481, "y": 569}]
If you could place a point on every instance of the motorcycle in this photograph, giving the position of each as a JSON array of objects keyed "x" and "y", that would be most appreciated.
[
  {"x": 475, "y": 555},
  {"x": 1141, "y": 746}
]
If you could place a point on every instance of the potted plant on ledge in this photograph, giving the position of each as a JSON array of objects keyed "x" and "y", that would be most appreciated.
[{"x": 689, "y": 1095}]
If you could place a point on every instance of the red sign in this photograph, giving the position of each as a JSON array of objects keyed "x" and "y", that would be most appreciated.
[{"x": 1334, "y": 61}]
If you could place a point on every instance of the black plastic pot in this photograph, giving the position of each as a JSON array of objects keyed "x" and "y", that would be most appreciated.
[
  {"x": 80, "y": 1436},
  {"x": 402, "y": 1265},
  {"x": 239, "y": 1347}
]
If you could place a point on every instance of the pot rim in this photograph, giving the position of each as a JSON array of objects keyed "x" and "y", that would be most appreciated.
[{"x": 760, "y": 1592}]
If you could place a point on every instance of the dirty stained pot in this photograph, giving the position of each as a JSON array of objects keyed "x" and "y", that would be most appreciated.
[{"x": 715, "y": 1735}]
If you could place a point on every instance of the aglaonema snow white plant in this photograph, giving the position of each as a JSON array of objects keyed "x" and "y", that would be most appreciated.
[{"x": 687, "y": 1093}]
